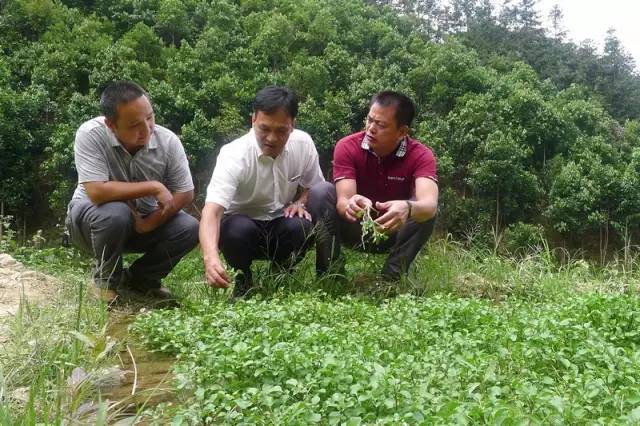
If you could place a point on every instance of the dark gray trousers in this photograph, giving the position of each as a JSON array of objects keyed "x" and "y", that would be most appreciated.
[
  {"x": 283, "y": 240},
  {"x": 107, "y": 231},
  {"x": 332, "y": 230}
]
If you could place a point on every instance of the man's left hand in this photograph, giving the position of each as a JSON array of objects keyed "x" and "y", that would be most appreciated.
[
  {"x": 396, "y": 214},
  {"x": 297, "y": 209},
  {"x": 142, "y": 224}
]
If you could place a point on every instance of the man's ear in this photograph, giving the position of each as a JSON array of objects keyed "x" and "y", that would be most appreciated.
[
  {"x": 110, "y": 124},
  {"x": 253, "y": 119},
  {"x": 404, "y": 130}
]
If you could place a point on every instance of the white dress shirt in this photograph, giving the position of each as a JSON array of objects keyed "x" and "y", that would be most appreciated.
[{"x": 245, "y": 181}]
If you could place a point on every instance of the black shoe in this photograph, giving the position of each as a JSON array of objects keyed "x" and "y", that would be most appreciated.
[
  {"x": 152, "y": 289},
  {"x": 242, "y": 288}
]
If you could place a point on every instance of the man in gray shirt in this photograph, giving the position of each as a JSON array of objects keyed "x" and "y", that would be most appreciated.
[{"x": 133, "y": 181}]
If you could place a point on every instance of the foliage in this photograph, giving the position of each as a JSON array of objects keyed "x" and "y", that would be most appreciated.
[
  {"x": 557, "y": 347},
  {"x": 308, "y": 360},
  {"x": 370, "y": 230},
  {"x": 512, "y": 114},
  {"x": 523, "y": 238}
]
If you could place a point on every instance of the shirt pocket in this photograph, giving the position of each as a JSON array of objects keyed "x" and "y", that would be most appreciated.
[{"x": 294, "y": 178}]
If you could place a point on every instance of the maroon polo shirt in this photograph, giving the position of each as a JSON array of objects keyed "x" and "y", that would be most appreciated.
[{"x": 383, "y": 179}]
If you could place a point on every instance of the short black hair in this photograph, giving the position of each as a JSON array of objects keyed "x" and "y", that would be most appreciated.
[
  {"x": 116, "y": 93},
  {"x": 405, "y": 108},
  {"x": 272, "y": 98}
]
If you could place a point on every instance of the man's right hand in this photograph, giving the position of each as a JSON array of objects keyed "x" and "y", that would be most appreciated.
[
  {"x": 215, "y": 273},
  {"x": 355, "y": 207},
  {"x": 164, "y": 197}
]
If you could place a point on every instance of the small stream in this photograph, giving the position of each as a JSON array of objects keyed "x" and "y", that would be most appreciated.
[{"x": 149, "y": 372}]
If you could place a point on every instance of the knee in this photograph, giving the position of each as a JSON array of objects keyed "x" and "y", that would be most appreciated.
[
  {"x": 190, "y": 228},
  {"x": 237, "y": 230},
  {"x": 424, "y": 229},
  {"x": 322, "y": 196},
  {"x": 299, "y": 229},
  {"x": 321, "y": 191},
  {"x": 114, "y": 217}
]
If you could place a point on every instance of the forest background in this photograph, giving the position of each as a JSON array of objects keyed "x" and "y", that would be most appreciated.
[{"x": 534, "y": 134}]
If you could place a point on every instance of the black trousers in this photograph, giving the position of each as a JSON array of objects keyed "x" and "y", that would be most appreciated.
[
  {"x": 283, "y": 241},
  {"x": 107, "y": 231},
  {"x": 332, "y": 231}
]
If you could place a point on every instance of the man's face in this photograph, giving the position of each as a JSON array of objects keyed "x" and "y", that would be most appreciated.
[
  {"x": 134, "y": 124},
  {"x": 383, "y": 133},
  {"x": 272, "y": 131}
]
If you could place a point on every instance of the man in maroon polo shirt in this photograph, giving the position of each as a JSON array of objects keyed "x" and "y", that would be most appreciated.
[{"x": 380, "y": 167}]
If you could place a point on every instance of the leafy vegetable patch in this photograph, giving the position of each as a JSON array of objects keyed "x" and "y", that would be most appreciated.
[{"x": 309, "y": 359}]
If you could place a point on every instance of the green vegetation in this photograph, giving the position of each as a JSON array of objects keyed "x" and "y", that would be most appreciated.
[
  {"x": 527, "y": 127},
  {"x": 370, "y": 231},
  {"x": 306, "y": 359},
  {"x": 496, "y": 338},
  {"x": 470, "y": 336},
  {"x": 535, "y": 138},
  {"x": 43, "y": 343}
]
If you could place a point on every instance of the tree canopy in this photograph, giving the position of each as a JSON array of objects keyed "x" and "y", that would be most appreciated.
[{"x": 526, "y": 127}]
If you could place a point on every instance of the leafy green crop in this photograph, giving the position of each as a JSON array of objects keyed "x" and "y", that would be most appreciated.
[
  {"x": 305, "y": 359},
  {"x": 370, "y": 229}
]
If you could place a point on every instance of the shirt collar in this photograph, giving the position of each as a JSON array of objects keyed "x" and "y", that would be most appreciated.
[{"x": 401, "y": 151}]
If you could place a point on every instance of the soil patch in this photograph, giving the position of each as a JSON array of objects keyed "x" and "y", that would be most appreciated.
[{"x": 21, "y": 284}]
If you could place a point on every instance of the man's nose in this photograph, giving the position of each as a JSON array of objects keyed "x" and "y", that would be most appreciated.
[{"x": 271, "y": 137}]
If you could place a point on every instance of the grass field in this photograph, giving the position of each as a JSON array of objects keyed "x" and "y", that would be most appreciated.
[{"x": 470, "y": 337}]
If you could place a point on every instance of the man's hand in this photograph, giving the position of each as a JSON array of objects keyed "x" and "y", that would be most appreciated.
[
  {"x": 355, "y": 207},
  {"x": 297, "y": 209},
  {"x": 396, "y": 214},
  {"x": 164, "y": 197},
  {"x": 140, "y": 224},
  {"x": 215, "y": 273}
]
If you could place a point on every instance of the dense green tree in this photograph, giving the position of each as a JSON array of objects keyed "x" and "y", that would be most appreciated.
[{"x": 527, "y": 127}]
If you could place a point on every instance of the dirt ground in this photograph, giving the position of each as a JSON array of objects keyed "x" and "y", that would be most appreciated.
[{"x": 17, "y": 283}]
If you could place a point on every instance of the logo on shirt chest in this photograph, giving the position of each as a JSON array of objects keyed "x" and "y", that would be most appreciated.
[{"x": 396, "y": 178}]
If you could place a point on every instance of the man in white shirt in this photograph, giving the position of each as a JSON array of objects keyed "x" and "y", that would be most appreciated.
[{"x": 255, "y": 205}]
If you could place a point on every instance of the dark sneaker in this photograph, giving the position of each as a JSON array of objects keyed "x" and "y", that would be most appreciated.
[
  {"x": 152, "y": 289},
  {"x": 162, "y": 293},
  {"x": 242, "y": 288}
]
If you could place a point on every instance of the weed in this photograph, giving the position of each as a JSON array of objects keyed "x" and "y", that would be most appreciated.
[{"x": 370, "y": 229}]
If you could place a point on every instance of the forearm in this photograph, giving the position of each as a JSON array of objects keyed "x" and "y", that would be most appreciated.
[
  {"x": 210, "y": 231},
  {"x": 423, "y": 210},
  {"x": 103, "y": 192},
  {"x": 425, "y": 206},
  {"x": 345, "y": 189}
]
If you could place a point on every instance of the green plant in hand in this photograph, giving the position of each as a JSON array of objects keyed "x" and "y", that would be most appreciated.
[{"x": 370, "y": 229}]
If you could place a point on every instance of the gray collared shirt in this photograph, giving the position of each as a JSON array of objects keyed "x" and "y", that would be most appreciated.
[{"x": 99, "y": 157}]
